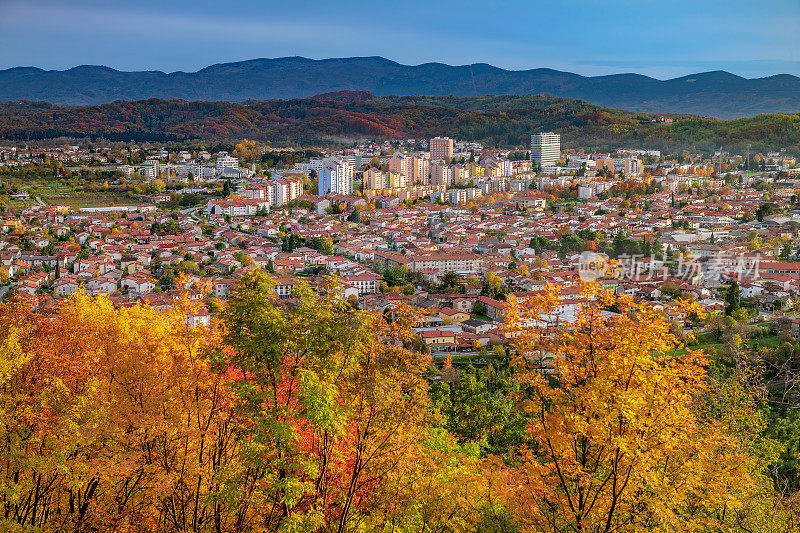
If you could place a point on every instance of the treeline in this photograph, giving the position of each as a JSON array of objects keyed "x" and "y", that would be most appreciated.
[
  {"x": 502, "y": 121},
  {"x": 310, "y": 415},
  {"x": 619, "y": 247},
  {"x": 285, "y": 159}
]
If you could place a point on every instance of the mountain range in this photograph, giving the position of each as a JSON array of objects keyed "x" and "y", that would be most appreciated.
[{"x": 720, "y": 94}]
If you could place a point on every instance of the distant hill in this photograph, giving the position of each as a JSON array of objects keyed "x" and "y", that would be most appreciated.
[
  {"x": 342, "y": 117},
  {"x": 719, "y": 94}
]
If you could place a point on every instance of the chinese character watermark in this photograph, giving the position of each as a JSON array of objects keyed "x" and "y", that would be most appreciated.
[{"x": 714, "y": 269}]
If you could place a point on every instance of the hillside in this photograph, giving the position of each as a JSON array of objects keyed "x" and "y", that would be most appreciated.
[
  {"x": 346, "y": 116},
  {"x": 717, "y": 93}
]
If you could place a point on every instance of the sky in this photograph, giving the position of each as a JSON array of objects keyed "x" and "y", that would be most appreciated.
[{"x": 662, "y": 39}]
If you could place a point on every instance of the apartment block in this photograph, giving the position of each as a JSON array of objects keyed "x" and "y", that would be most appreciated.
[
  {"x": 420, "y": 170},
  {"x": 336, "y": 176},
  {"x": 441, "y": 148},
  {"x": 441, "y": 173}
]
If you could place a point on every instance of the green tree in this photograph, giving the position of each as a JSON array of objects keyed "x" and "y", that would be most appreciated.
[
  {"x": 733, "y": 298},
  {"x": 786, "y": 251}
]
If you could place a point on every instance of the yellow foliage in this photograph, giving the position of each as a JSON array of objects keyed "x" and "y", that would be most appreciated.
[{"x": 617, "y": 440}]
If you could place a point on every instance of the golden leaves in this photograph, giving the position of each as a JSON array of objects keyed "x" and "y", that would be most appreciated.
[{"x": 617, "y": 438}]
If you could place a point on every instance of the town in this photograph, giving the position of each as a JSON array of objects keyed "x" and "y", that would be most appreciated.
[{"x": 448, "y": 227}]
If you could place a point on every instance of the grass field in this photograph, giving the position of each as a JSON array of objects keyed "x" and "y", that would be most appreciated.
[
  {"x": 710, "y": 346},
  {"x": 79, "y": 200},
  {"x": 58, "y": 191}
]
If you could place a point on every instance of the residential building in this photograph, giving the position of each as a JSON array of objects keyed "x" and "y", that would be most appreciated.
[
  {"x": 441, "y": 148},
  {"x": 604, "y": 163},
  {"x": 631, "y": 166},
  {"x": 441, "y": 173},
  {"x": 401, "y": 163},
  {"x": 420, "y": 170},
  {"x": 336, "y": 176},
  {"x": 374, "y": 179}
]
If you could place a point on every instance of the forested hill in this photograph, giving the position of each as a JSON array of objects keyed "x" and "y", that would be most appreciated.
[
  {"x": 718, "y": 93},
  {"x": 342, "y": 117}
]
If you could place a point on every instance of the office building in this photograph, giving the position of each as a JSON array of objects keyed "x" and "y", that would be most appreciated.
[
  {"x": 225, "y": 161},
  {"x": 545, "y": 148}
]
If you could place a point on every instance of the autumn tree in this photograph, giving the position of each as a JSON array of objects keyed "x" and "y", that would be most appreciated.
[
  {"x": 111, "y": 419},
  {"x": 616, "y": 442},
  {"x": 332, "y": 409},
  {"x": 247, "y": 151}
]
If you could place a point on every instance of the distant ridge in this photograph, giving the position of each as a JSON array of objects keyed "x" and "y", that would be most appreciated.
[
  {"x": 342, "y": 117},
  {"x": 716, "y": 93}
]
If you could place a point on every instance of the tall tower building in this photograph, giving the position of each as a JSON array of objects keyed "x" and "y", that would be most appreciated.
[
  {"x": 420, "y": 170},
  {"x": 401, "y": 163},
  {"x": 441, "y": 148},
  {"x": 441, "y": 174},
  {"x": 336, "y": 176},
  {"x": 545, "y": 148}
]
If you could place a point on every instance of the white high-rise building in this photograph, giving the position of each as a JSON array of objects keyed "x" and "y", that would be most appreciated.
[
  {"x": 336, "y": 176},
  {"x": 545, "y": 148},
  {"x": 225, "y": 161}
]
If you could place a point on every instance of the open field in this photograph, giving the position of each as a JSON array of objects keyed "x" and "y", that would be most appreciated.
[
  {"x": 711, "y": 346},
  {"x": 79, "y": 200},
  {"x": 57, "y": 191}
]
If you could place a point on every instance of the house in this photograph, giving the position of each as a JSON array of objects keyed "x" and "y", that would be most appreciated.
[
  {"x": 101, "y": 285},
  {"x": 365, "y": 283},
  {"x": 439, "y": 340},
  {"x": 494, "y": 308},
  {"x": 284, "y": 285},
  {"x": 199, "y": 318},
  {"x": 464, "y": 304},
  {"x": 67, "y": 285},
  {"x": 139, "y": 283},
  {"x": 476, "y": 326},
  {"x": 455, "y": 316}
]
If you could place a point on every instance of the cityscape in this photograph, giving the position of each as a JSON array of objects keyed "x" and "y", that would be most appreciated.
[{"x": 353, "y": 294}]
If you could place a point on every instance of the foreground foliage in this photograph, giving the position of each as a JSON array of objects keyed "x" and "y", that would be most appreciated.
[
  {"x": 308, "y": 415},
  {"x": 130, "y": 420}
]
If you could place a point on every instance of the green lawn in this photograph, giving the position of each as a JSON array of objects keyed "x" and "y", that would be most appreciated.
[{"x": 711, "y": 346}]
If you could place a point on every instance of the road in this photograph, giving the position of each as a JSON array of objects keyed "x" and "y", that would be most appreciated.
[
  {"x": 192, "y": 212},
  {"x": 4, "y": 289}
]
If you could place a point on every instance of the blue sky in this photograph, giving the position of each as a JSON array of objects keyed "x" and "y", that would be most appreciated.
[{"x": 658, "y": 38}]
